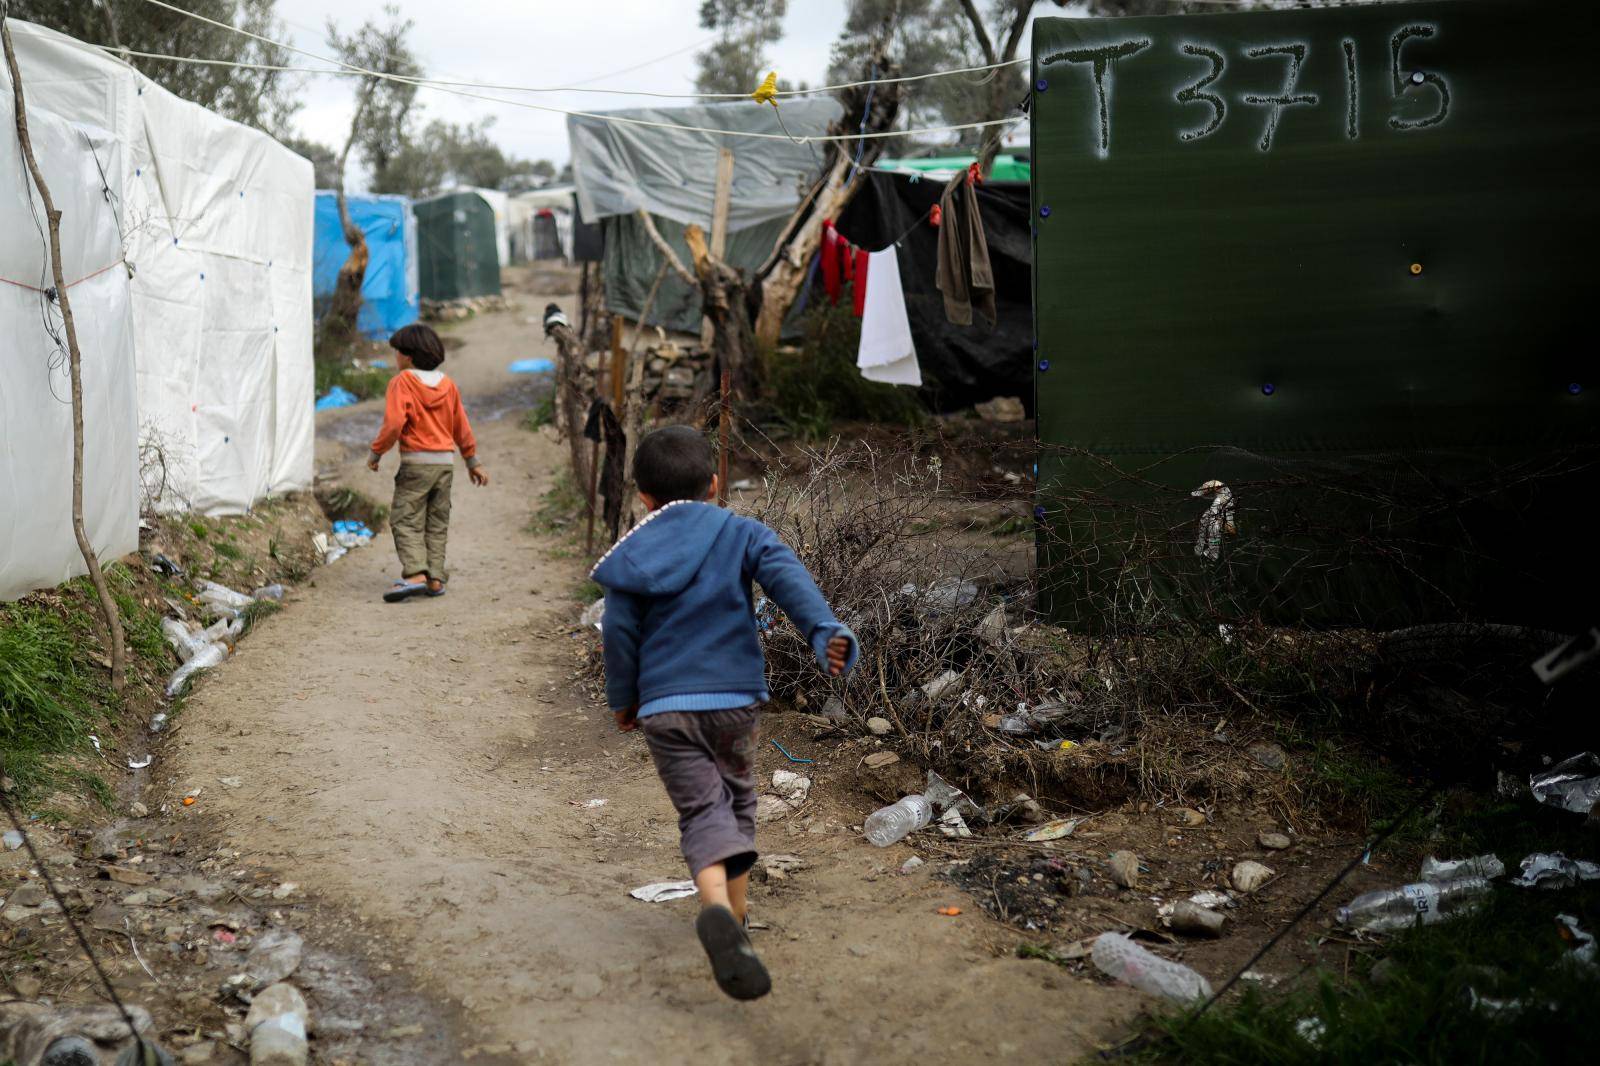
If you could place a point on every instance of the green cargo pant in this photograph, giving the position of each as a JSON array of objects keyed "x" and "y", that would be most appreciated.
[{"x": 420, "y": 518}]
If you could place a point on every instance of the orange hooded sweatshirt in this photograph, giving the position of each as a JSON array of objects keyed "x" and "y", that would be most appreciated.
[{"x": 423, "y": 412}]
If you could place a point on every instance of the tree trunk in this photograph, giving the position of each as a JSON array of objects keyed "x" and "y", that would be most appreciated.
[
  {"x": 571, "y": 402},
  {"x": 734, "y": 346},
  {"x": 108, "y": 606},
  {"x": 339, "y": 324}
]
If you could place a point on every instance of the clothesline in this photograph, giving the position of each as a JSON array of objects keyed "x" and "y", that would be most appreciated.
[{"x": 70, "y": 284}]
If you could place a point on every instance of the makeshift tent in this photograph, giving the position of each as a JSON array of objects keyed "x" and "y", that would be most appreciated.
[
  {"x": 500, "y": 204},
  {"x": 620, "y": 168},
  {"x": 1007, "y": 167},
  {"x": 961, "y": 365},
  {"x": 389, "y": 290},
  {"x": 37, "y": 545},
  {"x": 456, "y": 247},
  {"x": 541, "y": 224},
  {"x": 216, "y": 222},
  {"x": 1361, "y": 306}
]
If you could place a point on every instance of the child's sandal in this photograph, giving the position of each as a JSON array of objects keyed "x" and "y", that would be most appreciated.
[
  {"x": 734, "y": 963},
  {"x": 404, "y": 590}
]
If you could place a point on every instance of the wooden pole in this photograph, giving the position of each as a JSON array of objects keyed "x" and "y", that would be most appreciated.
[
  {"x": 633, "y": 423},
  {"x": 592, "y": 489},
  {"x": 619, "y": 362},
  {"x": 723, "y": 420},
  {"x": 91, "y": 561}
]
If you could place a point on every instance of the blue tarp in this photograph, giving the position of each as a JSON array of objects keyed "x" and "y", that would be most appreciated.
[{"x": 389, "y": 293}]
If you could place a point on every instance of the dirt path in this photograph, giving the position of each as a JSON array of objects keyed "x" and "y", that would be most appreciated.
[{"x": 417, "y": 767}]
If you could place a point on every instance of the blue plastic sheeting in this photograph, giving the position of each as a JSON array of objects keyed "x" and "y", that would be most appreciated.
[
  {"x": 389, "y": 295},
  {"x": 531, "y": 366},
  {"x": 338, "y": 396}
]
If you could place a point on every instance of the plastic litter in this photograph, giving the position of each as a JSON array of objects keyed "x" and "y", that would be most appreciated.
[
  {"x": 158, "y": 721},
  {"x": 792, "y": 787},
  {"x": 531, "y": 366},
  {"x": 269, "y": 592},
  {"x": 1572, "y": 784},
  {"x": 1568, "y": 656},
  {"x": 589, "y": 805},
  {"x": 662, "y": 891},
  {"x": 951, "y": 824},
  {"x": 222, "y": 598},
  {"x": 945, "y": 684},
  {"x": 594, "y": 615},
  {"x": 900, "y": 819},
  {"x": 348, "y": 533},
  {"x": 338, "y": 396},
  {"x": 162, "y": 565},
  {"x": 806, "y": 762},
  {"x": 1118, "y": 957},
  {"x": 1478, "y": 866},
  {"x": 1426, "y": 902},
  {"x": 1584, "y": 946},
  {"x": 945, "y": 594},
  {"x": 1191, "y": 919},
  {"x": 1554, "y": 870},
  {"x": 185, "y": 643},
  {"x": 140, "y": 764},
  {"x": 210, "y": 656},
  {"x": 13, "y": 839},
  {"x": 1056, "y": 830},
  {"x": 275, "y": 955},
  {"x": 945, "y": 796}
]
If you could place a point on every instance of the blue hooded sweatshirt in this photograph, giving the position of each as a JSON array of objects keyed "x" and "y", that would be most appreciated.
[{"x": 680, "y": 614}]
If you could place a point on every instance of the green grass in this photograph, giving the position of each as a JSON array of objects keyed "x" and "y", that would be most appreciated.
[
  {"x": 200, "y": 529},
  {"x": 363, "y": 382},
  {"x": 561, "y": 509},
  {"x": 1421, "y": 1010},
  {"x": 258, "y": 610},
  {"x": 820, "y": 385},
  {"x": 227, "y": 551},
  {"x": 540, "y": 414},
  {"x": 50, "y": 700}
]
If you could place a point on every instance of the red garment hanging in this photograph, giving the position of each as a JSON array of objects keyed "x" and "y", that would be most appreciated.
[
  {"x": 830, "y": 262},
  {"x": 861, "y": 281}
]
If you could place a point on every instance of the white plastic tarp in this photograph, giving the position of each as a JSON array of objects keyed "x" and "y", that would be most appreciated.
[
  {"x": 621, "y": 167},
  {"x": 37, "y": 545},
  {"x": 217, "y": 222}
]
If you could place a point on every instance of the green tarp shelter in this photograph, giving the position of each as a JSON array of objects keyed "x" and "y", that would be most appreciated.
[
  {"x": 1313, "y": 299},
  {"x": 456, "y": 251}
]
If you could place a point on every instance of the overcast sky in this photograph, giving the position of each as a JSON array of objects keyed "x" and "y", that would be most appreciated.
[{"x": 544, "y": 42}]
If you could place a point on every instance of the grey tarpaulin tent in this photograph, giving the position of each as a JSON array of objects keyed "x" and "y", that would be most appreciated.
[{"x": 622, "y": 167}]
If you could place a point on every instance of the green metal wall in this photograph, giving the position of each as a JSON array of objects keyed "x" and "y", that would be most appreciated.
[
  {"x": 1340, "y": 260},
  {"x": 456, "y": 253}
]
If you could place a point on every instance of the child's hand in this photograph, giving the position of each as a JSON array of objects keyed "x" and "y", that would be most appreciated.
[
  {"x": 372, "y": 463},
  {"x": 479, "y": 475},
  {"x": 838, "y": 655},
  {"x": 627, "y": 719}
]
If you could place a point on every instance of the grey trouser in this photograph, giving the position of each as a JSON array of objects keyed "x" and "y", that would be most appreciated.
[
  {"x": 707, "y": 759},
  {"x": 420, "y": 518}
]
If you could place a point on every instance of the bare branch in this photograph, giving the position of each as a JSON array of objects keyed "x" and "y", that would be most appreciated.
[{"x": 666, "y": 249}]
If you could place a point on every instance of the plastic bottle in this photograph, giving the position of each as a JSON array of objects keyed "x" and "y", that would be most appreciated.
[
  {"x": 1117, "y": 956},
  {"x": 1425, "y": 902},
  {"x": 898, "y": 820},
  {"x": 204, "y": 659},
  {"x": 185, "y": 643}
]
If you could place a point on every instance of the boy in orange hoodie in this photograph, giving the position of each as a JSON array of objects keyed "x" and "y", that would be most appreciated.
[{"x": 423, "y": 412}]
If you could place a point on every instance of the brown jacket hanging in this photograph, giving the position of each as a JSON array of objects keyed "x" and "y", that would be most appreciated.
[{"x": 964, "y": 274}]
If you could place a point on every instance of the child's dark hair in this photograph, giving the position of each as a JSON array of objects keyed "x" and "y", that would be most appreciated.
[
  {"x": 674, "y": 463},
  {"x": 419, "y": 343}
]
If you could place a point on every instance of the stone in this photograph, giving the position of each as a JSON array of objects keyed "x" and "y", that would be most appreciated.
[
  {"x": 229, "y": 782},
  {"x": 278, "y": 1021},
  {"x": 1382, "y": 972},
  {"x": 792, "y": 787},
  {"x": 198, "y": 1054},
  {"x": 27, "y": 986},
  {"x": 994, "y": 627},
  {"x": 125, "y": 875},
  {"x": 833, "y": 709},
  {"x": 274, "y": 956},
  {"x": 1249, "y": 876},
  {"x": 586, "y": 986},
  {"x": 285, "y": 890},
  {"x": 879, "y": 759},
  {"x": 1191, "y": 919},
  {"x": 70, "y": 1051},
  {"x": 771, "y": 809},
  {"x": 138, "y": 810},
  {"x": 1124, "y": 867},
  {"x": 147, "y": 897},
  {"x": 1268, "y": 754},
  {"x": 910, "y": 864},
  {"x": 1191, "y": 818},
  {"x": 28, "y": 894},
  {"x": 1001, "y": 409},
  {"x": 878, "y": 727},
  {"x": 1273, "y": 841}
]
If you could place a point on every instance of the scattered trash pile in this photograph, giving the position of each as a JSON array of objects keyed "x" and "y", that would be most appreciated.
[
  {"x": 201, "y": 646},
  {"x": 347, "y": 534},
  {"x": 459, "y": 310},
  {"x": 209, "y": 946}
]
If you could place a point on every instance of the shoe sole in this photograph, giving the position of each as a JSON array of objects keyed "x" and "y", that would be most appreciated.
[
  {"x": 402, "y": 594},
  {"x": 734, "y": 963}
]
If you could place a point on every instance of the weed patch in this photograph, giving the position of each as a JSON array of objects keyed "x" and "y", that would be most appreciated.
[
  {"x": 49, "y": 700},
  {"x": 810, "y": 390}
]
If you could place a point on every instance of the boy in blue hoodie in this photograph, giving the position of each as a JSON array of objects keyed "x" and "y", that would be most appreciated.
[{"x": 684, "y": 665}]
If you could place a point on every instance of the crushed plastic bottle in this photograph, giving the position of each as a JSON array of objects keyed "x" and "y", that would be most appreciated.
[
  {"x": 1478, "y": 866},
  {"x": 269, "y": 592},
  {"x": 1426, "y": 902},
  {"x": 185, "y": 643},
  {"x": 898, "y": 820},
  {"x": 204, "y": 659},
  {"x": 1572, "y": 784},
  {"x": 222, "y": 599},
  {"x": 1117, "y": 956}
]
